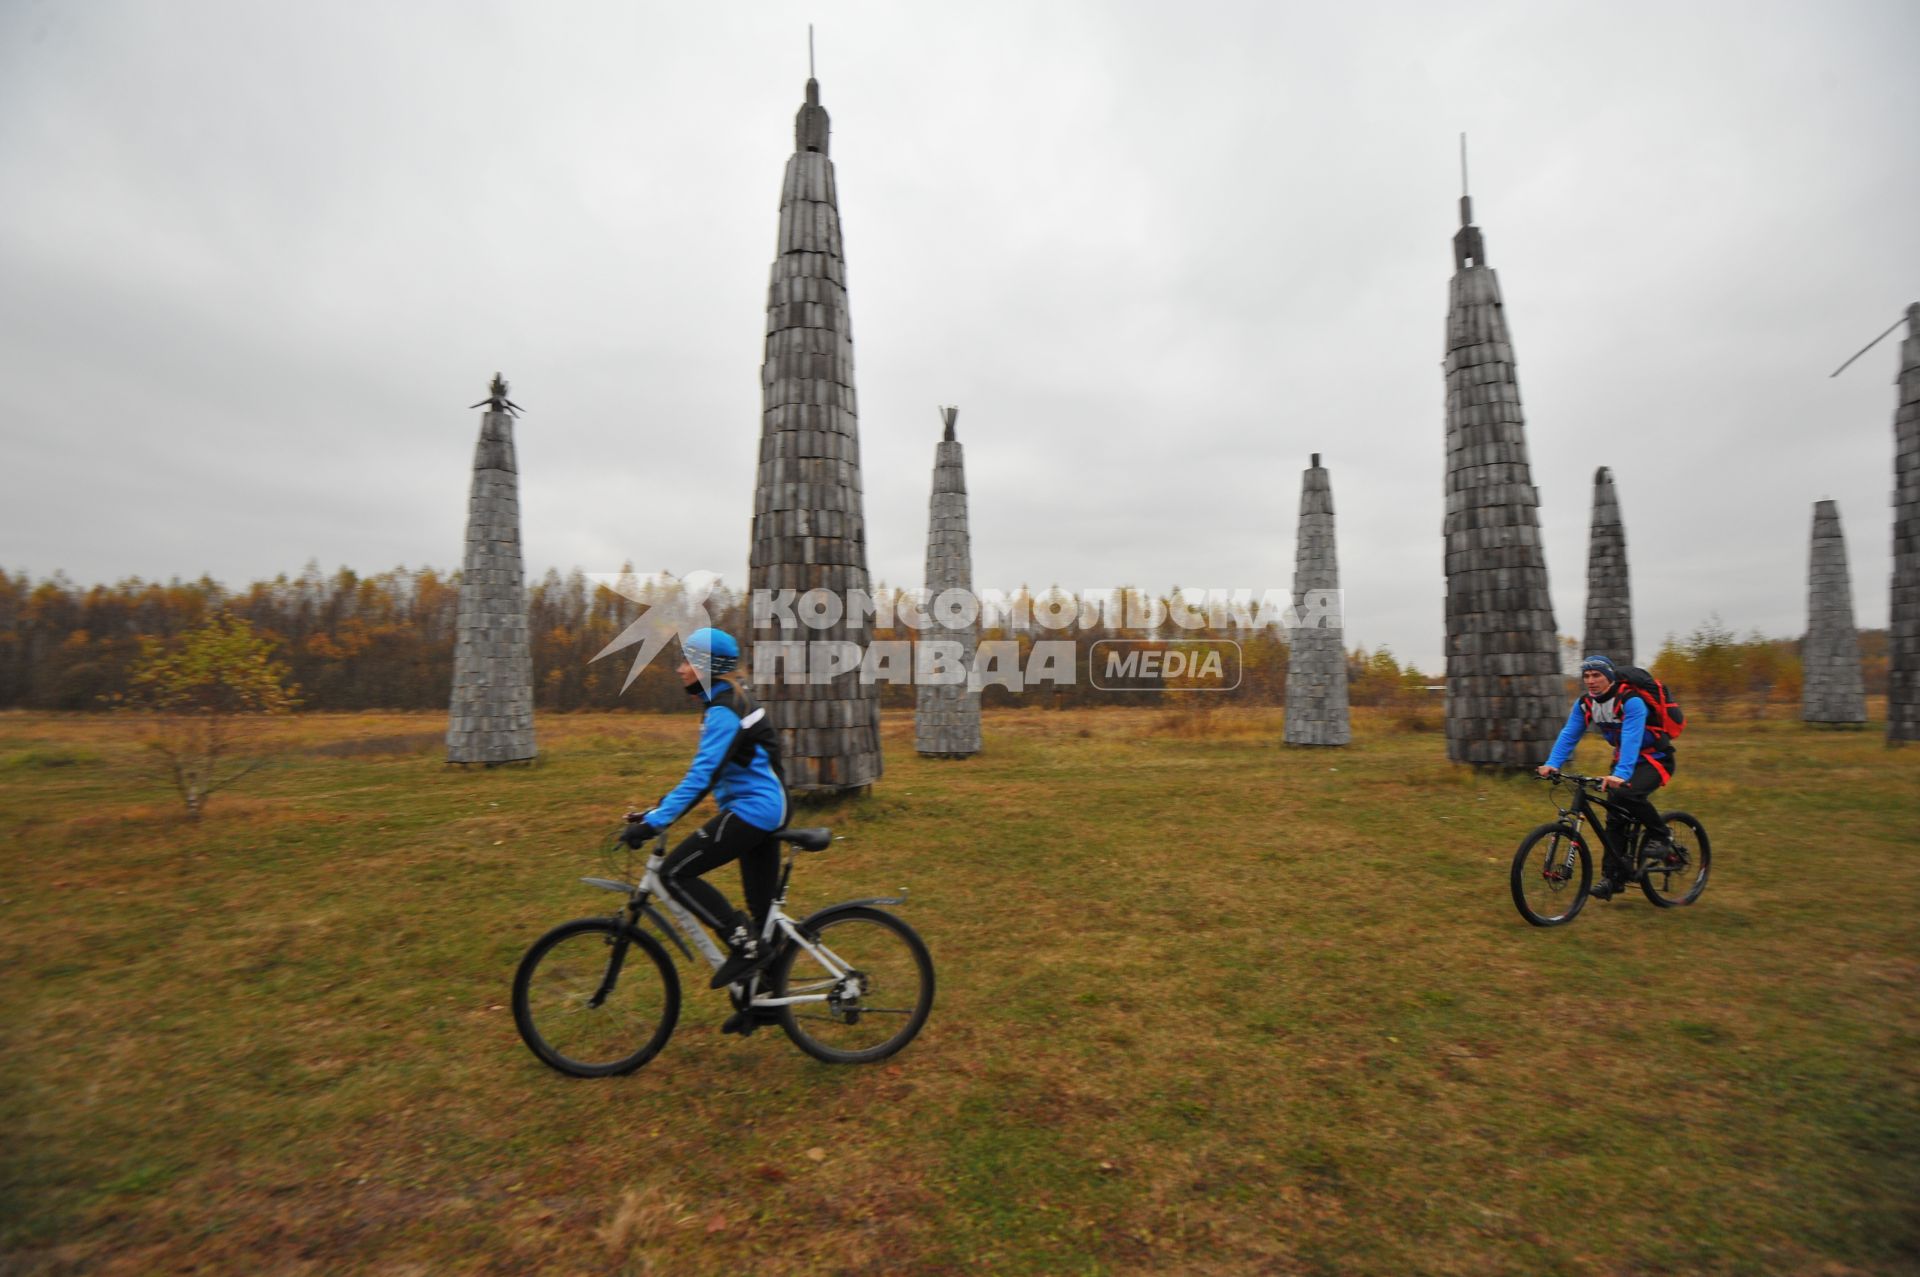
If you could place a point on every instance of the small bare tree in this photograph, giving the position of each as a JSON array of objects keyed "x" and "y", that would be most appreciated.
[{"x": 206, "y": 695}]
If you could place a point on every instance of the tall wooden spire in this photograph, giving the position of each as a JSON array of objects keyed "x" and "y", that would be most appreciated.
[
  {"x": 1832, "y": 689},
  {"x": 1903, "y": 622},
  {"x": 491, "y": 716},
  {"x": 1316, "y": 657},
  {"x": 946, "y": 720},
  {"x": 1505, "y": 694},
  {"x": 808, "y": 529},
  {"x": 1609, "y": 600}
]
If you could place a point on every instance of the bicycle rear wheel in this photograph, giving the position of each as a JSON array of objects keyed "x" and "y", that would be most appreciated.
[
  {"x": 875, "y": 1003},
  {"x": 594, "y": 998},
  {"x": 1552, "y": 874},
  {"x": 1680, "y": 877}
]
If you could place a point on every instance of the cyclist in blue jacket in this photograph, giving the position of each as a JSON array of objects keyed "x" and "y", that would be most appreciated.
[
  {"x": 1643, "y": 757},
  {"x": 738, "y": 761}
]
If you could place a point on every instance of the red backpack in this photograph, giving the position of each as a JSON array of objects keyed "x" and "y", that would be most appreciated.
[{"x": 1664, "y": 715}]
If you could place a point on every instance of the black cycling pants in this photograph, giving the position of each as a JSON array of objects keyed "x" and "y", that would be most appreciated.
[
  {"x": 1633, "y": 797},
  {"x": 725, "y": 837}
]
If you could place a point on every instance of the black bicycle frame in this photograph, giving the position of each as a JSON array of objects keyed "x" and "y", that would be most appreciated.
[{"x": 1583, "y": 809}]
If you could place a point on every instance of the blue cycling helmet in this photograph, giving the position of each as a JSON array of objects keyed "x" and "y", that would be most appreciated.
[
  {"x": 711, "y": 651},
  {"x": 1597, "y": 662}
]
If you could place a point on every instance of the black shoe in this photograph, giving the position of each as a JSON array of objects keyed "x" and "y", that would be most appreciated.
[
  {"x": 1657, "y": 853},
  {"x": 743, "y": 1022},
  {"x": 745, "y": 957},
  {"x": 1603, "y": 889}
]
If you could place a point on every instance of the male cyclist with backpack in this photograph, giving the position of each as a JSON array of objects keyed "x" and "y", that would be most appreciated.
[
  {"x": 738, "y": 760},
  {"x": 1643, "y": 756}
]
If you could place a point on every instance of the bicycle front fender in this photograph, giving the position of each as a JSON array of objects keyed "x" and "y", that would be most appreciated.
[
  {"x": 646, "y": 911},
  {"x": 855, "y": 904}
]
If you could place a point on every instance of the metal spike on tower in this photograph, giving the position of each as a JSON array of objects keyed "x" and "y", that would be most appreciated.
[
  {"x": 946, "y": 720},
  {"x": 1316, "y": 655},
  {"x": 491, "y": 717},
  {"x": 808, "y": 529},
  {"x": 1506, "y": 696}
]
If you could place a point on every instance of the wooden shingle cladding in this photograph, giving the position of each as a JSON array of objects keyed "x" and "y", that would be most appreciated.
[
  {"x": 1316, "y": 654},
  {"x": 490, "y": 719},
  {"x": 809, "y": 532},
  {"x": 1609, "y": 629},
  {"x": 1506, "y": 697},
  {"x": 1832, "y": 686},
  {"x": 946, "y": 719},
  {"x": 1903, "y": 637}
]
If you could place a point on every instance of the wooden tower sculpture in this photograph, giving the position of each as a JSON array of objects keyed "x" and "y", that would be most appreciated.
[
  {"x": 1609, "y": 600},
  {"x": 1505, "y": 694},
  {"x": 946, "y": 720},
  {"x": 1903, "y": 622},
  {"x": 1832, "y": 688},
  {"x": 1316, "y": 655},
  {"x": 491, "y": 718},
  {"x": 808, "y": 529}
]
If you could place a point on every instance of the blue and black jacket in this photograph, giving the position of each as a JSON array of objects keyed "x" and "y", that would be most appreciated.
[
  {"x": 738, "y": 760},
  {"x": 1621, "y": 716}
]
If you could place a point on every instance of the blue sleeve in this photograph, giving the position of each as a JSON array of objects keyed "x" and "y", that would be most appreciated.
[
  {"x": 1569, "y": 737},
  {"x": 1633, "y": 727},
  {"x": 717, "y": 731}
]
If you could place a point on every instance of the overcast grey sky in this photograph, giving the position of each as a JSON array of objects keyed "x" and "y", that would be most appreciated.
[{"x": 256, "y": 259}]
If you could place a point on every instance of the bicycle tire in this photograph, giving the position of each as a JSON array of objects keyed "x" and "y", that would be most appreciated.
[
  {"x": 555, "y": 987},
  {"x": 1692, "y": 855},
  {"x": 1536, "y": 884},
  {"x": 896, "y": 972}
]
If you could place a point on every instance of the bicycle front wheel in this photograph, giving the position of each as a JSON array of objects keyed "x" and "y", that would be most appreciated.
[
  {"x": 874, "y": 979},
  {"x": 1680, "y": 876},
  {"x": 594, "y": 998},
  {"x": 1552, "y": 874}
]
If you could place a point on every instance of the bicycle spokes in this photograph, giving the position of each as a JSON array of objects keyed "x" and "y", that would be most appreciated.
[
  {"x": 1550, "y": 876},
  {"x": 859, "y": 989},
  {"x": 592, "y": 1000}
]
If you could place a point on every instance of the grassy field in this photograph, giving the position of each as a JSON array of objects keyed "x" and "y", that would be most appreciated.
[{"x": 1207, "y": 1005}]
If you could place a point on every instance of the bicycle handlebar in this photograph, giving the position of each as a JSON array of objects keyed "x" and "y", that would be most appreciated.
[{"x": 1587, "y": 782}]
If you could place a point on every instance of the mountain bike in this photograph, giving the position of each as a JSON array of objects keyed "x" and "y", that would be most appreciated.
[
  {"x": 1553, "y": 870},
  {"x": 596, "y": 997}
]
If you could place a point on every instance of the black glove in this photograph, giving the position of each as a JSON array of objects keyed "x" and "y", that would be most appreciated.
[{"x": 638, "y": 832}]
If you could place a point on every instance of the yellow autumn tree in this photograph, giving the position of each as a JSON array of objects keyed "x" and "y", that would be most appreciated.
[{"x": 206, "y": 696}]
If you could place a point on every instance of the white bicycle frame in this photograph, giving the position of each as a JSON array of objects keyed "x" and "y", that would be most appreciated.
[{"x": 690, "y": 932}]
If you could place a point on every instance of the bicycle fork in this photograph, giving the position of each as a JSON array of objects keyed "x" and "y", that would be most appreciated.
[
  {"x": 1567, "y": 861},
  {"x": 600, "y": 995},
  {"x": 1563, "y": 872},
  {"x": 621, "y": 944}
]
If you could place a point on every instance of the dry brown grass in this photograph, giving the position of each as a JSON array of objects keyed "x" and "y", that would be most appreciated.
[{"x": 1207, "y": 1005}]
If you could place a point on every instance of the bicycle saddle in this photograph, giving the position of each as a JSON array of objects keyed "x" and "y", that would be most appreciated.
[{"x": 807, "y": 839}]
